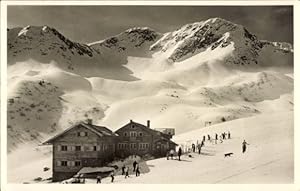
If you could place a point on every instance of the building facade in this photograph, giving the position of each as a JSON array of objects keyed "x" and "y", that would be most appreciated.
[
  {"x": 82, "y": 145},
  {"x": 137, "y": 139},
  {"x": 88, "y": 145}
]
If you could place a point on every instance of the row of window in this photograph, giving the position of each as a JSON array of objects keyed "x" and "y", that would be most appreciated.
[
  {"x": 102, "y": 147},
  {"x": 133, "y": 134},
  {"x": 68, "y": 163},
  {"x": 141, "y": 146}
]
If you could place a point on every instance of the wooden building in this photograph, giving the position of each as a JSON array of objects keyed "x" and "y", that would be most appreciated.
[
  {"x": 82, "y": 145},
  {"x": 137, "y": 139},
  {"x": 88, "y": 145}
]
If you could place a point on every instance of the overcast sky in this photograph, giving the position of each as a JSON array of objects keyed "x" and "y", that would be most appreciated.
[{"x": 92, "y": 23}]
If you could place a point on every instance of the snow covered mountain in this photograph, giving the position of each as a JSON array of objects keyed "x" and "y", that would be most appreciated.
[
  {"x": 45, "y": 44},
  {"x": 210, "y": 71}
]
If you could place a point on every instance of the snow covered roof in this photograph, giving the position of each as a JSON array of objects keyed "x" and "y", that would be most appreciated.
[
  {"x": 88, "y": 170},
  {"x": 98, "y": 130}
]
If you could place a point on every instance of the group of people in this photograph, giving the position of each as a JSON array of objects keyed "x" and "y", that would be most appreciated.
[
  {"x": 222, "y": 137},
  {"x": 171, "y": 154},
  {"x": 125, "y": 171},
  {"x": 199, "y": 146},
  {"x": 136, "y": 169},
  {"x": 112, "y": 176}
]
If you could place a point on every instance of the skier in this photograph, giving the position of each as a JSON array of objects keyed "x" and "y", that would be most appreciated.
[
  {"x": 244, "y": 147},
  {"x": 123, "y": 169},
  {"x": 179, "y": 153},
  {"x": 112, "y": 175},
  {"x": 203, "y": 138},
  {"x": 199, "y": 148},
  {"x": 223, "y": 135},
  {"x": 137, "y": 173},
  {"x": 126, "y": 172},
  {"x": 208, "y": 137},
  {"x": 193, "y": 147},
  {"x": 99, "y": 179},
  {"x": 228, "y": 134},
  {"x": 134, "y": 165},
  {"x": 216, "y": 139},
  {"x": 221, "y": 140},
  {"x": 202, "y": 143}
]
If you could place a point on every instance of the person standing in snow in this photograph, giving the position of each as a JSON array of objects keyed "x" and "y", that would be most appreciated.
[
  {"x": 193, "y": 147},
  {"x": 112, "y": 175},
  {"x": 216, "y": 138},
  {"x": 123, "y": 169},
  {"x": 223, "y": 136},
  {"x": 137, "y": 173},
  {"x": 199, "y": 148},
  {"x": 126, "y": 172},
  {"x": 228, "y": 134},
  {"x": 208, "y": 137},
  {"x": 244, "y": 146},
  {"x": 202, "y": 143},
  {"x": 134, "y": 165},
  {"x": 203, "y": 139},
  {"x": 179, "y": 153},
  {"x": 98, "y": 179}
]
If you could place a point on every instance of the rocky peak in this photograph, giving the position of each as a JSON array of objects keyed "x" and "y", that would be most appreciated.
[
  {"x": 133, "y": 37},
  {"x": 44, "y": 41}
]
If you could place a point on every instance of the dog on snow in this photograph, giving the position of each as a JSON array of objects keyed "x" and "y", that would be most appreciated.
[{"x": 228, "y": 154}]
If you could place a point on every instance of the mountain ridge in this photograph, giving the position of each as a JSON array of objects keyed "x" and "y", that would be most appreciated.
[{"x": 190, "y": 39}]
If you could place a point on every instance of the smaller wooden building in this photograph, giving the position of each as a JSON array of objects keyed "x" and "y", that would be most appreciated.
[{"x": 138, "y": 139}]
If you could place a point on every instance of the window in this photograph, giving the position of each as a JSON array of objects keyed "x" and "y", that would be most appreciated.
[
  {"x": 64, "y": 163},
  {"x": 141, "y": 134},
  {"x": 105, "y": 146},
  {"x": 125, "y": 134},
  {"x": 77, "y": 148},
  {"x": 143, "y": 146},
  {"x": 132, "y": 145},
  {"x": 95, "y": 148},
  {"x": 123, "y": 145},
  {"x": 64, "y": 148},
  {"x": 77, "y": 163},
  {"x": 133, "y": 134},
  {"x": 82, "y": 134},
  {"x": 132, "y": 126}
]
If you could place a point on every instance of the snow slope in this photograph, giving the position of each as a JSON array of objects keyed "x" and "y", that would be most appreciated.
[{"x": 266, "y": 161}]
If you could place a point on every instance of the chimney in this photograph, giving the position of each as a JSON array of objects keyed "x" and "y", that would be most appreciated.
[
  {"x": 130, "y": 120},
  {"x": 90, "y": 121},
  {"x": 148, "y": 123}
]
